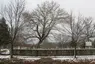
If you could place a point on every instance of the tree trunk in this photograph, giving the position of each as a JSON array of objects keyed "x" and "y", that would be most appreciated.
[
  {"x": 75, "y": 52},
  {"x": 11, "y": 50},
  {"x": 38, "y": 46}
]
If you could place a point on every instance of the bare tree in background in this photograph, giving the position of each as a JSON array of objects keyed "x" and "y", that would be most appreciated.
[
  {"x": 44, "y": 18},
  {"x": 74, "y": 29},
  {"x": 12, "y": 13},
  {"x": 89, "y": 28}
]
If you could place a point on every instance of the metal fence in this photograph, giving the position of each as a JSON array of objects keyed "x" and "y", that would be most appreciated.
[{"x": 54, "y": 52}]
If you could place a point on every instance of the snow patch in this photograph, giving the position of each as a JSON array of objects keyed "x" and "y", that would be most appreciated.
[{"x": 69, "y": 58}]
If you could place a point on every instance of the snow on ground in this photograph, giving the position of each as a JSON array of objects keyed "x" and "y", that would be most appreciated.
[
  {"x": 32, "y": 58},
  {"x": 4, "y": 56},
  {"x": 69, "y": 58}
]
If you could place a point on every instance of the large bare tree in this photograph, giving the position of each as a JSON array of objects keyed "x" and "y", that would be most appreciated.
[
  {"x": 13, "y": 13},
  {"x": 43, "y": 19}
]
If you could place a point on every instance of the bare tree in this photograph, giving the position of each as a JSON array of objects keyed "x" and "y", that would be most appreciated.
[
  {"x": 44, "y": 18},
  {"x": 12, "y": 13},
  {"x": 89, "y": 28},
  {"x": 74, "y": 29}
]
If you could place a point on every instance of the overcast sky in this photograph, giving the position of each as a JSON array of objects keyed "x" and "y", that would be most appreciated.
[{"x": 85, "y": 7}]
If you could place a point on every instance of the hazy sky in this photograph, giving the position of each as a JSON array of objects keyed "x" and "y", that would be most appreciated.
[{"x": 85, "y": 7}]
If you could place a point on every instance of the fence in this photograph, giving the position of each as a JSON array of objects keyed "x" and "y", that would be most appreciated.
[{"x": 53, "y": 52}]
